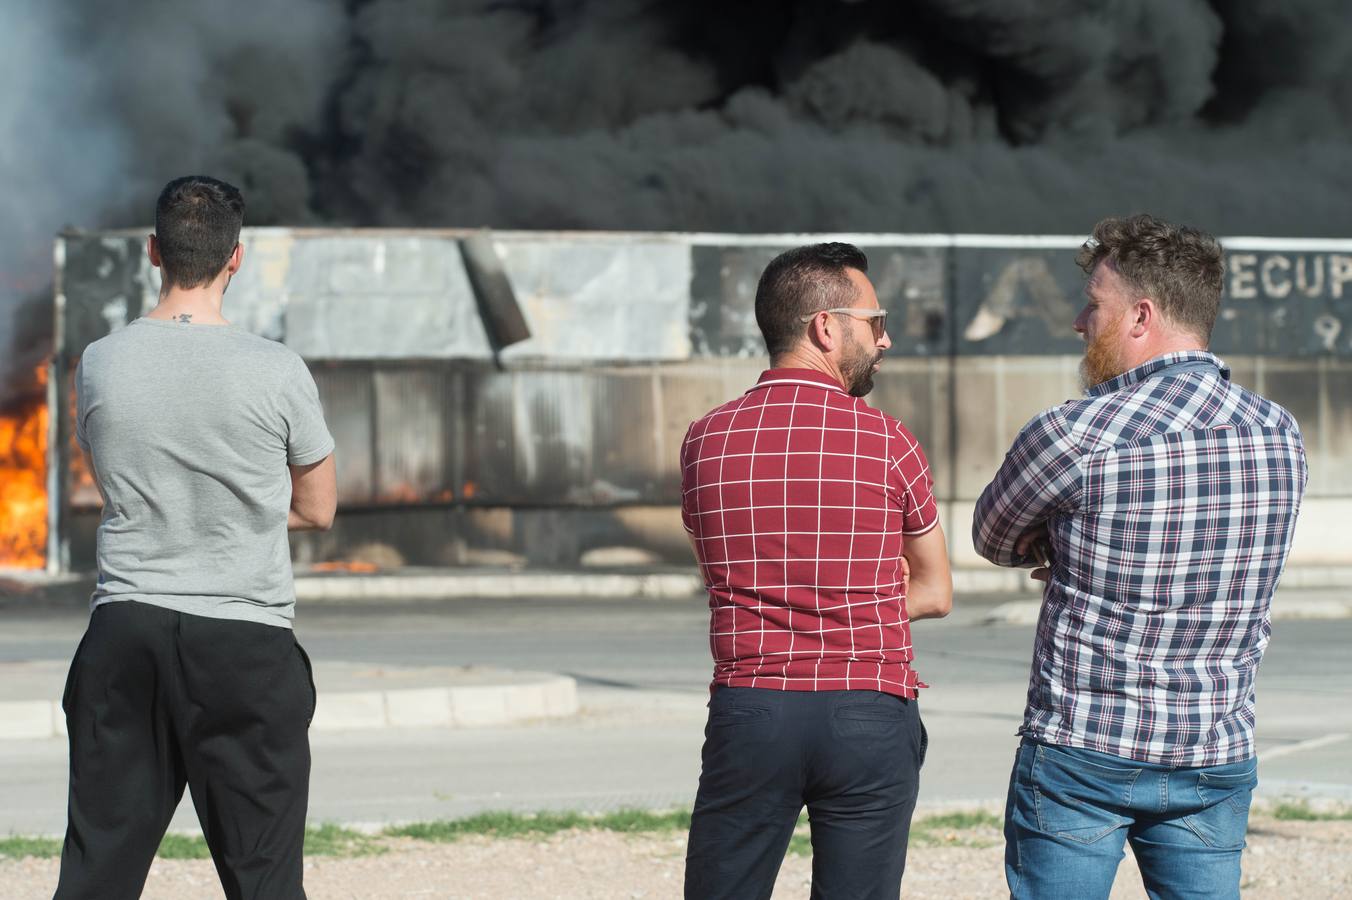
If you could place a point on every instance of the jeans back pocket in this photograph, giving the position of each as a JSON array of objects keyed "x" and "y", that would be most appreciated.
[
  {"x": 1079, "y": 799},
  {"x": 1225, "y": 797}
]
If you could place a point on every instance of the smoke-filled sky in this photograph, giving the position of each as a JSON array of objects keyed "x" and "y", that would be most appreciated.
[{"x": 759, "y": 115}]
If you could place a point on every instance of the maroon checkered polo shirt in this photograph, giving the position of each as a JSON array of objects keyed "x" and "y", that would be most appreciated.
[{"x": 798, "y": 498}]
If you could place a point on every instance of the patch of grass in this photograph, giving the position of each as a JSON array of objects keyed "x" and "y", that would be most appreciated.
[
  {"x": 183, "y": 846},
  {"x": 335, "y": 840},
  {"x": 638, "y": 820},
  {"x": 958, "y": 829},
  {"x": 954, "y": 829},
  {"x": 800, "y": 844},
  {"x": 541, "y": 824},
  {"x": 322, "y": 840},
  {"x": 15, "y": 847},
  {"x": 960, "y": 820},
  {"x": 1300, "y": 811},
  {"x": 492, "y": 824},
  {"x": 963, "y": 829}
]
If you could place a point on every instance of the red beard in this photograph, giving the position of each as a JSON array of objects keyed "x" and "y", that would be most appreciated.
[{"x": 1102, "y": 359}]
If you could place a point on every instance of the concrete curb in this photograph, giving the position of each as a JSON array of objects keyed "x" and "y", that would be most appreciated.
[
  {"x": 34, "y": 588},
  {"x": 442, "y": 585},
  {"x": 665, "y": 585},
  {"x": 465, "y": 706},
  {"x": 1287, "y": 607}
]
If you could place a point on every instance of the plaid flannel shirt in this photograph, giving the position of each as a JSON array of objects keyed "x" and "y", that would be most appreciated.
[{"x": 1170, "y": 496}]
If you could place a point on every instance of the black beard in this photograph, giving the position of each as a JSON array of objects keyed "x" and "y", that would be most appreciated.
[
  {"x": 858, "y": 371},
  {"x": 862, "y": 385}
]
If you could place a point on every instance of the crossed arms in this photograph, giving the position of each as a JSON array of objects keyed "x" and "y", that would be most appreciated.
[{"x": 1040, "y": 477}]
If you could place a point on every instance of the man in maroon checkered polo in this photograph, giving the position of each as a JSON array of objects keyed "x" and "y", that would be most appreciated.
[{"x": 807, "y": 510}]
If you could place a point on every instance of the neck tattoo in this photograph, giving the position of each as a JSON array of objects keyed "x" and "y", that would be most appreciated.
[{"x": 185, "y": 318}]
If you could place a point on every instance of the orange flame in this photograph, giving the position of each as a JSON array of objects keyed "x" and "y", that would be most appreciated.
[
  {"x": 400, "y": 493},
  {"x": 23, "y": 483},
  {"x": 344, "y": 566}
]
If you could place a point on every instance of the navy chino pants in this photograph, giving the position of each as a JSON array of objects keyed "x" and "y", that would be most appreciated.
[
  {"x": 852, "y": 757},
  {"x": 157, "y": 700}
]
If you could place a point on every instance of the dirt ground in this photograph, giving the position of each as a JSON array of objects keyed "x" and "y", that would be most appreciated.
[{"x": 1305, "y": 860}]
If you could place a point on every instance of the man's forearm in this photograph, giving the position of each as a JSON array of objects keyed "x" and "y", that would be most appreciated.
[
  {"x": 314, "y": 496},
  {"x": 1005, "y": 512},
  {"x": 1039, "y": 478},
  {"x": 295, "y": 521},
  {"x": 989, "y": 540},
  {"x": 929, "y": 598}
]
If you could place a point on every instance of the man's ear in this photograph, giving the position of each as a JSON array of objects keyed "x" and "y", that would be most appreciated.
[
  {"x": 236, "y": 259},
  {"x": 153, "y": 250},
  {"x": 824, "y": 331},
  {"x": 1146, "y": 317}
]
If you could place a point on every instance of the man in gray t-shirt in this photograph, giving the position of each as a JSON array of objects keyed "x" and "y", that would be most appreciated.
[
  {"x": 207, "y": 444},
  {"x": 194, "y": 427}
]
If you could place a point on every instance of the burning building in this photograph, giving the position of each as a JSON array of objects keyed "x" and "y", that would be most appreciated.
[
  {"x": 797, "y": 115},
  {"x": 561, "y": 449},
  {"x": 24, "y": 439}
]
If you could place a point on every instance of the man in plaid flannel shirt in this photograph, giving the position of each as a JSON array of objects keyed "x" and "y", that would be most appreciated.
[
  {"x": 1160, "y": 509},
  {"x": 807, "y": 508}
]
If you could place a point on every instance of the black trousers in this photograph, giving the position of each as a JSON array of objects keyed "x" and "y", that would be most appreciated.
[
  {"x": 157, "y": 699},
  {"x": 853, "y": 757}
]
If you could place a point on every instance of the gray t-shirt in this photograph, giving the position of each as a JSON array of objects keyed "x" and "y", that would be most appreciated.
[{"x": 191, "y": 428}]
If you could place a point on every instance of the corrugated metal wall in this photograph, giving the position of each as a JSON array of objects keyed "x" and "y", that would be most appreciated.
[{"x": 634, "y": 336}]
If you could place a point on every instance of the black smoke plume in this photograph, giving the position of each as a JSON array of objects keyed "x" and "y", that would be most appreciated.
[{"x": 791, "y": 115}]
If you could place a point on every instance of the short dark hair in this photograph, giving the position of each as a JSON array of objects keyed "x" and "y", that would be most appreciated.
[
  {"x": 197, "y": 223},
  {"x": 800, "y": 282},
  {"x": 1180, "y": 268}
]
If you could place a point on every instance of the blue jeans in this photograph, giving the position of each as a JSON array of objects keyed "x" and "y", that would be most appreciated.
[{"x": 1070, "y": 812}]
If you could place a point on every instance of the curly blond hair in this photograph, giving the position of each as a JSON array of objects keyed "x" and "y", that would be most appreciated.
[{"x": 1180, "y": 268}]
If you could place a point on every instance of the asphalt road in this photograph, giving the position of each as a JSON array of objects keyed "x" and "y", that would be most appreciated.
[{"x": 642, "y": 669}]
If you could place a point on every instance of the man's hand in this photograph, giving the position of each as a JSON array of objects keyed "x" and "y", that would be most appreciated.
[{"x": 1037, "y": 544}]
